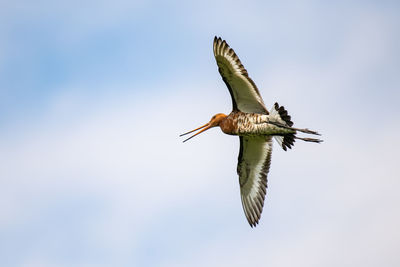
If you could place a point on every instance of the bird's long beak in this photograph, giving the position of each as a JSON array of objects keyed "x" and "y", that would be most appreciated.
[{"x": 205, "y": 126}]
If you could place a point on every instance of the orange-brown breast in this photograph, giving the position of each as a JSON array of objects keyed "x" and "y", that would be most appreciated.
[
  {"x": 244, "y": 124},
  {"x": 229, "y": 124}
]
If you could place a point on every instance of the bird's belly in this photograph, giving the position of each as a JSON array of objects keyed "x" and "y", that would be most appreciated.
[
  {"x": 251, "y": 124},
  {"x": 257, "y": 129},
  {"x": 239, "y": 123}
]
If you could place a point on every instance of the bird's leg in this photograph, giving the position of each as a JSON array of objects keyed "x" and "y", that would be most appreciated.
[
  {"x": 309, "y": 139},
  {"x": 308, "y": 131}
]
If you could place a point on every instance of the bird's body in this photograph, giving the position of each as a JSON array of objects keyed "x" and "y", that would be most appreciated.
[
  {"x": 255, "y": 126},
  {"x": 252, "y": 124}
]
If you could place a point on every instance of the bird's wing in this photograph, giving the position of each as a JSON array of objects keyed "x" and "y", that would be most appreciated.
[
  {"x": 244, "y": 93},
  {"x": 253, "y": 166}
]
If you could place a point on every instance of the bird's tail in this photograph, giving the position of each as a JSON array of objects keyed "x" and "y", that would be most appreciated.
[
  {"x": 284, "y": 120},
  {"x": 287, "y": 140}
]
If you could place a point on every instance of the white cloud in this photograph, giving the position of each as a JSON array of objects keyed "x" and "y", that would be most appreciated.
[
  {"x": 126, "y": 155},
  {"x": 115, "y": 168}
]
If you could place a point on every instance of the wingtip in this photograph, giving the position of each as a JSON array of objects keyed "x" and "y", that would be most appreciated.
[
  {"x": 218, "y": 40},
  {"x": 215, "y": 44},
  {"x": 253, "y": 224}
]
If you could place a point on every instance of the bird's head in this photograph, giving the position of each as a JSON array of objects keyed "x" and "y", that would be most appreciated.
[{"x": 215, "y": 121}]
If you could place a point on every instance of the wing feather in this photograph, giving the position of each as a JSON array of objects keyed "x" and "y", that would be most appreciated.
[
  {"x": 244, "y": 93},
  {"x": 253, "y": 167}
]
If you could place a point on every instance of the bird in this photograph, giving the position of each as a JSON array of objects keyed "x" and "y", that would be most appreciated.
[{"x": 255, "y": 126}]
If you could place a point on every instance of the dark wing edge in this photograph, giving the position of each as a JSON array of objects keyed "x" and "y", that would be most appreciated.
[
  {"x": 237, "y": 79},
  {"x": 253, "y": 166}
]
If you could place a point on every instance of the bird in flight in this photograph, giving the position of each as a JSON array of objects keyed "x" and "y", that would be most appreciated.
[{"x": 255, "y": 126}]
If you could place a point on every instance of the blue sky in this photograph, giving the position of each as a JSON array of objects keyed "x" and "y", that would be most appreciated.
[{"x": 93, "y": 96}]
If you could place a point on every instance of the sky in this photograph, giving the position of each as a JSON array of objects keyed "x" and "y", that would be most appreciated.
[{"x": 94, "y": 95}]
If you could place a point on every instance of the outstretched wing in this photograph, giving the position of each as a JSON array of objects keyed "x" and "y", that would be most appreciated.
[
  {"x": 244, "y": 92},
  {"x": 253, "y": 166}
]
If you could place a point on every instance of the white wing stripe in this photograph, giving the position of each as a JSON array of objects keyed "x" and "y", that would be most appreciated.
[
  {"x": 243, "y": 90},
  {"x": 253, "y": 167}
]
